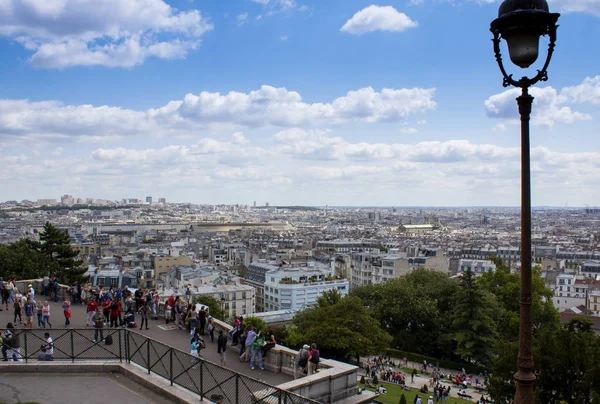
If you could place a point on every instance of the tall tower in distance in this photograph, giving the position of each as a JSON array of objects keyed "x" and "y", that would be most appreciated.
[
  {"x": 149, "y": 200},
  {"x": 267, "y": 204},
  {"x": 254, "y": 203}
]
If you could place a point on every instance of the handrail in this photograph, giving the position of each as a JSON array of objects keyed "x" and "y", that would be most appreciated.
[{"x": 197, "y": 375}]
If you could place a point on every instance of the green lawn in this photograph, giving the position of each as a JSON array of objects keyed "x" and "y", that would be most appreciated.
[{"x": 394, "y": 392}]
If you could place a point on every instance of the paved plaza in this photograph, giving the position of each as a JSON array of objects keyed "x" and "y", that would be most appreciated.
[
  {"x": 60, "y": 389},
  {"x": 176, "y": 338}
]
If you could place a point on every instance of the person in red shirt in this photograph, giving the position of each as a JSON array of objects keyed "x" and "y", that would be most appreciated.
[
  {"x": 91, "y": 310},
  {"x": 115, "y": 308}
]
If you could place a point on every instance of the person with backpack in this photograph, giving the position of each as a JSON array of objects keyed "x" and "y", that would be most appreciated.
[
  {"x": 302, "y": 361},
  {"x": 313, "y": 359},
  {"x": 257, "y": 344}
]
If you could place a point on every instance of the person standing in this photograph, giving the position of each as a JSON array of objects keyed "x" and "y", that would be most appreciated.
[
  {"x": 222, "y": 347},
  {"x": 98, "y": 320},
  {"x": 257, "y": 344},
  {"x": 46, "y": 314},
  {"x": 45, "y": 285},
  {"x": 247, "y": 344},
  {"x": 114, "y": 314},
  {"x": 67, "y": 312},
  {"x": 17, "y": 311},
  {"x": 145, "y": 311},
  {"x": 302, "y": 361},
  {"x": 313, "y": 360},
  {"x": 40, "y": 315},
  {"x": 92, "y": 306},
  {"x": 29, "y": 310},
  {"x": 211, "y": 328},
  {"x": 202, "y": 319}
]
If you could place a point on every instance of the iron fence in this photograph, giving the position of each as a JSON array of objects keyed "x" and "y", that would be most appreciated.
[{"x": 193, "y": 373}]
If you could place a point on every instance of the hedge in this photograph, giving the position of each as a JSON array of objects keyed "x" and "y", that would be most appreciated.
[{"x": 446, "y": 364}]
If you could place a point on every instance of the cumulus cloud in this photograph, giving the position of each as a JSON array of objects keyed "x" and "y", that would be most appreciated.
[
  {"x": 281, "y": 107},
  {"x": 378, "y": 18},
  {"x": 114, "y": 33},
  {"x": 318, "y": 145},
  {"x": 242, "y": 19},
  {"x": 586, "y": 92},
  {"x": 268, "y": 106},
  {"x": 548, "y": 106},
  {"x": 273, "y": 7}
]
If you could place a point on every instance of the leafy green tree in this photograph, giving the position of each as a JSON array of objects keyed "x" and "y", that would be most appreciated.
[
  {"x": 215, "y": 307},
  {"x": 402, "y": 399},
  {"x": 474, "y": 324},
  {"x": 55, "y": 244},
  {"x": 339, "y": 329},
  {"x": 415, "y": 309},
  {"x": 507, "y": 288}
]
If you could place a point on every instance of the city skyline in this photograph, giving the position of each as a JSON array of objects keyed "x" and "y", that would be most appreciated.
[{"x": 354, "y": 103}]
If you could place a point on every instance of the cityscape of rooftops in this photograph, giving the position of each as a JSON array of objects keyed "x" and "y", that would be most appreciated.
[{"x": 370, "y": 184}]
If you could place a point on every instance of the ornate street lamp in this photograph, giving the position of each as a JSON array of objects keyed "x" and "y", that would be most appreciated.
[{"x": 521, "y": 23}]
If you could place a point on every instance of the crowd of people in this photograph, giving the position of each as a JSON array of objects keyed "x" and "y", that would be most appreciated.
[{"x": 117, "y": 307}]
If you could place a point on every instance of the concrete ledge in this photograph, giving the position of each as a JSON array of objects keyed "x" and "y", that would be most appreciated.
[{"x": 154, "y": 383}]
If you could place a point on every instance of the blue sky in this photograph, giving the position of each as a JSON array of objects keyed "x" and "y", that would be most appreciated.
[{"x": 288, "y": 101}]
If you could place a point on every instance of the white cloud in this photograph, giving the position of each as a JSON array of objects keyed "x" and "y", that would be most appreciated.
[
  {"x": 273, "y": 7},
  {"x": 378, "y": 18},
  {"x": 114, "y": 33},
  {"x": 238, "y": 137},
  {"x": 58, "y": 151},
  {"x": 577, "y": 6},
  {"x": 317, "y": 145},
  {"x": 586, "y": 92},
  {"x": 351, "y": 172},
  {"x": 283, "y": 37},
  {"x": 281, "y": 107},
  {"x": 263, "y": 2},
  {"x": 268, "y": 106},
  {"x": 548, "y": 107},
  {"x": 408, "y": 131},
  {"x": 499, "y": 127},
  {"x": 242, "y": 19}
]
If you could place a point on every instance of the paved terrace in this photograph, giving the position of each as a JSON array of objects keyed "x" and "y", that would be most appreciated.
[{"x": 158, "y": 330}]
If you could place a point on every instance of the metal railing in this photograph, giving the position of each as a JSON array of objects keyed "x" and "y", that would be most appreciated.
[{"x": 193, "y": 373}]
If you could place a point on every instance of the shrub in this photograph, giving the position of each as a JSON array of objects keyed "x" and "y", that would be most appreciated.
[
  {"x": 362, "y": 380},
  {"x": 403, "y": 399},
  {"x": 257, "y": 323},
  {"x": 375, "y": 381}
]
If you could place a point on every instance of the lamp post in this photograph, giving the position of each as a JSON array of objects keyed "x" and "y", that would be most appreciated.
[{"x": 521, "y": 23}]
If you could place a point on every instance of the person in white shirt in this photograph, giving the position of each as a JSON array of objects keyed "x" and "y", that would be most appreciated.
[
  {"x": 49, "y": 347},
  {"x": 430, "y": 400}
]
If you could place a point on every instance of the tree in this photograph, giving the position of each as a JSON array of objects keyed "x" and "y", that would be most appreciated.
[
  {"x": 566, "y": 365},
  {"x": 257, "y": 323},
  {"x": 21, "y": 260},
  {"x": 414, "y": 309},
  {"x": 55, "y": 244},
  {"x": 402, "y": 399},
  {"x": 339, "y": 329},
  {"x": 507, "y": 288},
  {"x": 474, "y": 323},
  {"x": 215, "y": 307}
]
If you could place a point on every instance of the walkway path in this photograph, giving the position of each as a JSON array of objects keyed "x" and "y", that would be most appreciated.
[{"x": 176, "y": 338}]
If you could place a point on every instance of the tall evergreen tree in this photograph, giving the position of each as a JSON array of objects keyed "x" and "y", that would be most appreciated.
[
  {"x": 55, "y": 244},
  {"x": 475, "y": 315}
]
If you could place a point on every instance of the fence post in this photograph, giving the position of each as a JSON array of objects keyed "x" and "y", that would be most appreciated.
[
  {"x": 201, "y": 381},
  {"x": 171, "y": 365},
  {"x": 25, "y": 343},
  {"x": 72, "y": 346},
  {"x": 148, "y": 353},
  {"x": 120, "y": 346},
  {"x": 237, "y": 388}
]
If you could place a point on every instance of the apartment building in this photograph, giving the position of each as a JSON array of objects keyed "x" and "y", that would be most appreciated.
[
  {"x": 296, "y": 288},
  {"x": 164, "y": 263},
  {"x": 255, "y": 277}
]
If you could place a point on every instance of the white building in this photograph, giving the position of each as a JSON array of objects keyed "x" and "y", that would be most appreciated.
[
  {"x": 477, "y": 266},
  {"x": 299, "y": 287},
  {"x": 570, "y": 290}
]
